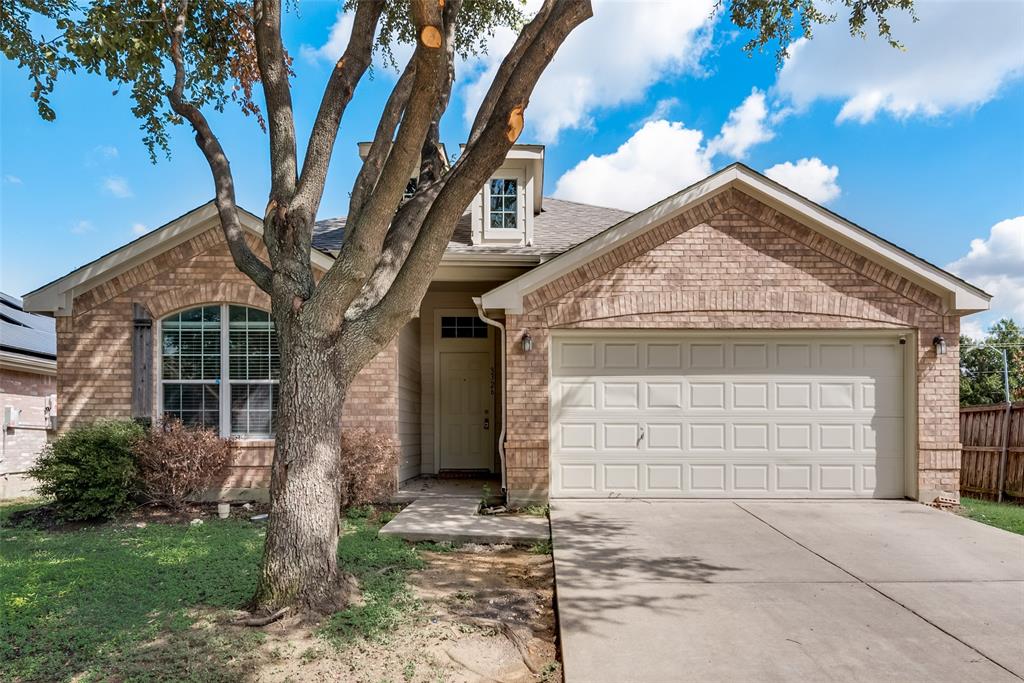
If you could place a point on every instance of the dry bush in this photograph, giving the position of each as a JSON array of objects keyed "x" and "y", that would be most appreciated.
[
  {"x": 177, "y": 462},
  {"x": 368, "y": 462}
]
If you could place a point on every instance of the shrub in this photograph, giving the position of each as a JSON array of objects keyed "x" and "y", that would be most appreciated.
[
  {"x": 368, "y": 462},
  {"x": 178, "y": 462},
  {"x": 90, "y": 471}
]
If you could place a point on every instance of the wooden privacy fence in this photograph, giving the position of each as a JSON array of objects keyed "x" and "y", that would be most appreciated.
[{"x": 993, "y": 452}]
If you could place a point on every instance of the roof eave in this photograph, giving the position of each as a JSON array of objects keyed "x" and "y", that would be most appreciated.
[
  {"x": 961, "y": 296},
  {"x": 57, "y": 297}
]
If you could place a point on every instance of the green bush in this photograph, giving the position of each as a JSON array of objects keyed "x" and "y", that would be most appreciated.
[{"x": 90, "y": 472}]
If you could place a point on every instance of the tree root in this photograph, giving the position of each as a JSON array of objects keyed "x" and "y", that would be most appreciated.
[
  {"x": 519, "y": 636},
  {"x": 261, "y": 621}
]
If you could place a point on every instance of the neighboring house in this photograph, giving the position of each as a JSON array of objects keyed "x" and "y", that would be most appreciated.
[
  {"x": 28, "y": 387},
  {"x": 734, "y": 339}
]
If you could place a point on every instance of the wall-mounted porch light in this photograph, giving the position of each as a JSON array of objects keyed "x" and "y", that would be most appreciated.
[
  {"x": 527, "y": 342},
  {"x": 940, "y": 346}
]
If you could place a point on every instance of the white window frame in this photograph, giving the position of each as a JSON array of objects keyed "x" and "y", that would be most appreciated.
[
  {"x": 506, "y": 233},
  {"x": 223, "y": 383}
]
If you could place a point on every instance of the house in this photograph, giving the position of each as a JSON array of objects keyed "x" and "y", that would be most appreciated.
[
  {"x": 734, "y": 339},
  {"x": 28, "y": 388}
]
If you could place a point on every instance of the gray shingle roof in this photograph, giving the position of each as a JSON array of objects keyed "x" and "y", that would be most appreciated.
[
  {"x": 25, "y": 333},
  {"x": 561, "y": 225}
]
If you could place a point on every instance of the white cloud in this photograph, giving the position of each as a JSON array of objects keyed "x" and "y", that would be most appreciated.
[
  {"x": 611, "y": 59},
  {"x": 107, "y": 151},
  {"x": 996, "y": 264},
  {"x": 957, "y": 56},
  {"x": 658, "y": 160},
  {"x": 809, "y": 177},
  {"x": 117, "y": 186},
  {"x": 337, "y": 40},
  {"x": 746, "y": 127},
  {"x": 662, "y": 109},
  {"x": 82, "y": 227},
  {"x": 139, "y": 229},
  {"x": 12, "y": 179}
]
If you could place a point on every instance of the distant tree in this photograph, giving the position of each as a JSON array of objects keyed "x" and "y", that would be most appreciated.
[
  {"x": 181, "y": 58},
  {"x": 981, "y": 367}
]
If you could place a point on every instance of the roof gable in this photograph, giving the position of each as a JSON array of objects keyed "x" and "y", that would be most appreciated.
[
  {"x": 959, "y": 295},
  {"x": 58, "y": 296}
]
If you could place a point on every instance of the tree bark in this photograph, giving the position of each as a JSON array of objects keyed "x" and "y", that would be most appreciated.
[{"x": 300, "y": 561}]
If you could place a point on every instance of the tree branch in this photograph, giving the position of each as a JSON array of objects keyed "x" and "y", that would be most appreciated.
[
  {"x": 340, "y": 86},
  {"x": 496, "y": 134},
  {"x": 270, "y": 58},
  {"x": 407, "y": 221},
  {"x": 363, "y": 239},
  {"x": 224, "y": 184},
  {"x": 369, "y": 173}
]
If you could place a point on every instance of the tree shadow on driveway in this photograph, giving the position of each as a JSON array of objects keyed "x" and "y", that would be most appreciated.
[{"x": 599, "y": 574}]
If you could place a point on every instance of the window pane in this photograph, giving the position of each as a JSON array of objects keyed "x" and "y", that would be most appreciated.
[
  {"x": 497, "y": 186},
  {"x": 193, "y": 404},
  {"x": 253, "y": 408},
  {"x": 253, "y": 357},
  {"x": 497, "y": 221}
]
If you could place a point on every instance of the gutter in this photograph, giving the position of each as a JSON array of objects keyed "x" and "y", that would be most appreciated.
[
  {"x": 26, "y": 363},
  {"x": 504, "y": 405}
]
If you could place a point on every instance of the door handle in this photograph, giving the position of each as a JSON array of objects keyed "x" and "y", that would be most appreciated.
[
  {"x": 487, "y": 423},
  {"x": 640, "y": 438}
]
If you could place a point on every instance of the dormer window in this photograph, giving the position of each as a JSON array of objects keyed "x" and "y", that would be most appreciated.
[
  {"x": 410, "y": 189},
  {"x": 504, "y": 204}
]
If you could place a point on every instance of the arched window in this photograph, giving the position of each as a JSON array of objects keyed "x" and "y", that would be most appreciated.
[{"x": 219, "y": 368}]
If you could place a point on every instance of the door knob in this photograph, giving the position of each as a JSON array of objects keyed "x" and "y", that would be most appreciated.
[{"x": 487, "y": 423}]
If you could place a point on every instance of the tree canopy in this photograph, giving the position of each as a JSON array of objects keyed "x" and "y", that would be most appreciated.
[{"x": 981, "y": 365}]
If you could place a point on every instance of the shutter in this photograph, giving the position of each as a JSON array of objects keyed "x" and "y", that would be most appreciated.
[{"x": 142, "y": 364}]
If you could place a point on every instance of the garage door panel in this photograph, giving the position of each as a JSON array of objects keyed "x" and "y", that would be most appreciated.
[{"x": 671, "y": 417}]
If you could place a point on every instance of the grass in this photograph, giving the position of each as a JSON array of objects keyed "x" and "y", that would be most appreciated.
[
  {"x": 119, "y": 602},
  {"x": 1006, "y": 516}
]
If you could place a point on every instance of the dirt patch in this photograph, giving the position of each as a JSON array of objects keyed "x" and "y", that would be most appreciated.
[
  {"x": 484, "y": 614},
  {"x": 46, "y": 518}
]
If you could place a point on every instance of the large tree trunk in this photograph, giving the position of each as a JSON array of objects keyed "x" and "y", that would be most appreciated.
[{"x": 300, "y": 558}]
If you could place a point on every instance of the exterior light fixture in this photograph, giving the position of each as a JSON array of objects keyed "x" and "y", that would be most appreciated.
[
  {"x": 527, "y": 342},
  {"x": 940, "y": 346}
]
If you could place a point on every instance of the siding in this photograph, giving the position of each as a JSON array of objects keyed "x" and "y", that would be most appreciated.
[
  {"x": 409, "y": 400},
  {"x": 26, "y": 391}
]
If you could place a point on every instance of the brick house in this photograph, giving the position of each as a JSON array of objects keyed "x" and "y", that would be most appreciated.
[
  {"x": 28, "y": 388},
  {"x": 733, "y": 340}
]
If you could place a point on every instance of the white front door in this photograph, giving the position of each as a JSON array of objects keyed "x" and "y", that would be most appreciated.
[
  {"x": 467, "y": 421},
  {"x": 731, "y": 415}
]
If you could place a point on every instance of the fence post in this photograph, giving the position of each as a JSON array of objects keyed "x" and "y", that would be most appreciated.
[{"x": 1001, "y": 484}]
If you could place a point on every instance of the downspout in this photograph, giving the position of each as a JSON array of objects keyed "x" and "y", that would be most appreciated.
[{"x": 504, "y": 406}]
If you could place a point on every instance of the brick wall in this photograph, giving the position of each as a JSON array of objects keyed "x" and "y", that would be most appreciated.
[
  {"x": 732, "y": 262},
  {"x": 26, "y": 392},
  {"x": 95, "y": 355}
]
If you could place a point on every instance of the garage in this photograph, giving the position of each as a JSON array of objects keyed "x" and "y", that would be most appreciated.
[{"x": 672, "y": 415}]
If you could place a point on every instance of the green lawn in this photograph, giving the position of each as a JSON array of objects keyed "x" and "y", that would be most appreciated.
[
  {"x": 118, "y": 602},
  {"x": 1007, "y": 516}
]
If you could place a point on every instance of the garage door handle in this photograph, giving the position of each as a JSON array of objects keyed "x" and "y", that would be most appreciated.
[{"x": 641, "y": 437}]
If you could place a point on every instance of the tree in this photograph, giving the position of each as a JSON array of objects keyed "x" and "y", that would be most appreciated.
[
  {"x": 981, "y": 365},
  {"x": 181, "y": 57}
]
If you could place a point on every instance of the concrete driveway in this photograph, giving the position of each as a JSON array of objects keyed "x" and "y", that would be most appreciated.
[{"x": 760, "y": 591}]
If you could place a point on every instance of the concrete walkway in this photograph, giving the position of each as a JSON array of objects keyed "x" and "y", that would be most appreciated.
[
  {"x": 454, "y": 519},
  {"x": 781, "y": 591}
]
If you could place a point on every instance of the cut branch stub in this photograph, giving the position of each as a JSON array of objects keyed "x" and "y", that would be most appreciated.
[
  {"x": 515, "y": 124},
  {"x": 430, "y": 37},
  {"x": 340, "y": 64}
]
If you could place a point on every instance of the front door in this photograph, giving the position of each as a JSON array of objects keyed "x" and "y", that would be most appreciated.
[{"x": 467, "y": 422}]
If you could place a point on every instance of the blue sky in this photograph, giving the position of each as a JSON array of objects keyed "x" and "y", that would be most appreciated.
[{"x": 924, "y": 147}]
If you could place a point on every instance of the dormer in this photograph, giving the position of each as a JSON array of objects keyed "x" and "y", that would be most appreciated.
[{"x": 502, "y": 212}]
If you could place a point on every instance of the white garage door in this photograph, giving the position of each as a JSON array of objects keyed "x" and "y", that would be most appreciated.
[{"x": 676, "y": 416}]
